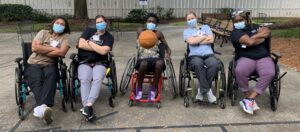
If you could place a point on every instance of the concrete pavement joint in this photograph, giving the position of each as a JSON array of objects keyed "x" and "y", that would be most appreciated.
[
  {"x": 20, "y": 121},
  {"x": 222, "y": 126}
]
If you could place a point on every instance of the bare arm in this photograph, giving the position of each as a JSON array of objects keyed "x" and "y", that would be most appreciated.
[
  {"x": 195, "y": 40},
  {"x": 59, "y": 52},
  {"x": 263, "y": 32},
  {"x": 37, "y": 47},
  {"x": 246, "y": 40},
  {"x": 103, "y": 50},
  {"x": 83, "y": 44},
  {"x": 163, "y": 40},
  {"x": 208, "y": 40}
]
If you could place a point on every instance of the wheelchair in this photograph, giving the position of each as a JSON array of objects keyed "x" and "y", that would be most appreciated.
[
  {"x": 274, "y": 87},
  {"x": 74, "y": 82},
  {"x": 188, "y": 87},
  {"x": 22, "y": 90},
  {"x": 131, "y": 74}
]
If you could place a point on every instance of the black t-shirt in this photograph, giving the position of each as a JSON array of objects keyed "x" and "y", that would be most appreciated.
[
  {"x": 104, "y": 40},
  {"x": 252, "y": 52}
]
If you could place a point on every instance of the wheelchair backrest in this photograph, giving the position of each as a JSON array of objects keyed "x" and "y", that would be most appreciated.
[{"x": 26, "y": 49}]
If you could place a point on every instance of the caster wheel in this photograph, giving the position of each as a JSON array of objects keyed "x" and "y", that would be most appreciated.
[
  {"x": 186, "y": 101},
  {"x": 21, "y": 113},
  {"x": 158, "y": 105},
  {"x": 130, "y": 103},
  {"x": 222, "y": 103}
]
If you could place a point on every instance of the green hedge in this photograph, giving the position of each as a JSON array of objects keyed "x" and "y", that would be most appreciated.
[
  {"x": 15, "y": 12},
  {"x": 18, "y": 12}
]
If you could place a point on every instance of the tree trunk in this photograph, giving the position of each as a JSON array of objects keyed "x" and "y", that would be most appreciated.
[{"x": 80, "y": 9}]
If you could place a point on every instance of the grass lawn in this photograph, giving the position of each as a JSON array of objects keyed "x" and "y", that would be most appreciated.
[
  {"x": 75, "y": 26},
  {"x": 286, "y": 33}
]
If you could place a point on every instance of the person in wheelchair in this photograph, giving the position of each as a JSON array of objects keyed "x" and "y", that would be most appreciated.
[
  {"x": 249, "y": 43},
  {"x": 93, "y": 48},
  {"x": 42, "y": 71},
  {"x": 201, "y": 58},
  {"x": 149, "y": 59}
]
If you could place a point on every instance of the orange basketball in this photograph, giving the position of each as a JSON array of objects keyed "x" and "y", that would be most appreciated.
[{"x": 147, "y": 39}]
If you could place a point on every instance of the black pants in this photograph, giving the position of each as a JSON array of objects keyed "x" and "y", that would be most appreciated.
[
  {"x": 43, "y": 82},
  {"x": 205, "y": 69}
]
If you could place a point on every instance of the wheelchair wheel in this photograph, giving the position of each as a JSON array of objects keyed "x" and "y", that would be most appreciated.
[
  {"x": 220, "y": 90},
  {"x": 73, "y": 88},
  {"x": 17, "y": 85},
  {"x": 186, "y": 101},
  {"x": 182, "y": 77},
  {"x": 172, "y": 83},
  {"x": 274, "y": 90},
  {"x": 113, "y": 76},
  {"x": 232, "y": 87},
  {"x": 126, "y": 77}
]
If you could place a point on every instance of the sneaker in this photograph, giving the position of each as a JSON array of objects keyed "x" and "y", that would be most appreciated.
[
  {"x": 255, "y": 106},
  {"x": 199, "y": 95},
  {"x": 210, "y": 96},
  {"x": 48, "y": 115},
  {"x": 87, "y": 113},
  {"x": 139, "y": 94},
  {"x": 37, "y": 112},
  {"x": 247, "y": 106},
  {"x": 152, "y": 94}
]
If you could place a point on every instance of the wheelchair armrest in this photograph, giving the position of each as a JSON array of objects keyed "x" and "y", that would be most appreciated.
[
  {"x": 73, "y": 55},
  {"x": 111, "y": 54},
  {"x": 277, "y": 55},
  {"x": 18, "y": 60}
]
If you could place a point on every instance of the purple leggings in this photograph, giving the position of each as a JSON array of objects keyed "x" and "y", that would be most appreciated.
[{"x": 264, "y": 67}]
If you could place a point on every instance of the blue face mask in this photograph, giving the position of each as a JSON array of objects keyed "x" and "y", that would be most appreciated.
[
  {"x": 192, "y": 23},
  {"x": 151, "y": 26},
  {"x": 58, "y": 28},
  {"x": 101, "y": 26},
  {"x": 240, "y": 25}
]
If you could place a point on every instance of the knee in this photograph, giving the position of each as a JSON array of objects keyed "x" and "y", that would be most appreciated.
[
  {"x": 159, "y": 64},
  {"x": 239, "y": 70},
  {"x": 143, "y": 64},
  {"x": 267, "y": 73}
]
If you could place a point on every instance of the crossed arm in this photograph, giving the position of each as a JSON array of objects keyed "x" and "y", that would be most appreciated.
[
  {"x": 200, "y": 40},
  {"x": 256, "y": 39},
  {"x": 50, "y": 51},
  {"x": 91, "y": 46}
]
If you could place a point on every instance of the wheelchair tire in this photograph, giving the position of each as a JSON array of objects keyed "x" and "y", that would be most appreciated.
[
  {"x": 172, "y": 83},
  {"x": 17, "y": 85},
  {"x": 186, "y": 101},
  {"x": 126, "y": 77},
  {"x": 113, "y": 76},
  {"x": 220, "y": 84},
  {"x": 182, "y": 77},
  {"x": 72, "y": 87}
]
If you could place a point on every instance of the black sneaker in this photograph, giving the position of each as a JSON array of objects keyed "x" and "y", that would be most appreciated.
[{"x": 87, "y": 112}]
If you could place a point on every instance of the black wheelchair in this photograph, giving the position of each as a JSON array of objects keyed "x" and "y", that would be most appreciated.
[
  {"x": 74, "y": 83},
  {"x": 187, "y": 84},
  {"x": 130, "y": 75},
  {"x": 274, "y": 87},
  {"x": 22, "y": 90}
]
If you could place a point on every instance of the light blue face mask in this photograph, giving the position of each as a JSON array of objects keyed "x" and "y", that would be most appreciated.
[
  {"x": 192, "y": 23},
  {"x": 58, "y": 28},
  {"x": 240, "y": 25},
  {"x": 101, "y": 26},
  {"x": 151, "y": 26}
]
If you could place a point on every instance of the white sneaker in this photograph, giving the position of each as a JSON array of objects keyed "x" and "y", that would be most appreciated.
[
  {"x": 199, "y": 95},
  {"x": 210, "y": 96},
  {"x": 38, "y": 112},
  {"x": 255, "y": 106},
  {"x": 46, "y": 113}
]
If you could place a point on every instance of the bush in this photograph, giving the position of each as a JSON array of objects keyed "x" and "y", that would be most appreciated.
[
  {"x": 140, "y": 15},
  {"x": 40, "y": 16},
  {"x": 15, "y": 12},
  {"x": 137, "y": 15}
]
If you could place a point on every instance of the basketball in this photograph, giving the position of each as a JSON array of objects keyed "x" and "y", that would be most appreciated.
[{"x": 147, "y": 39}]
